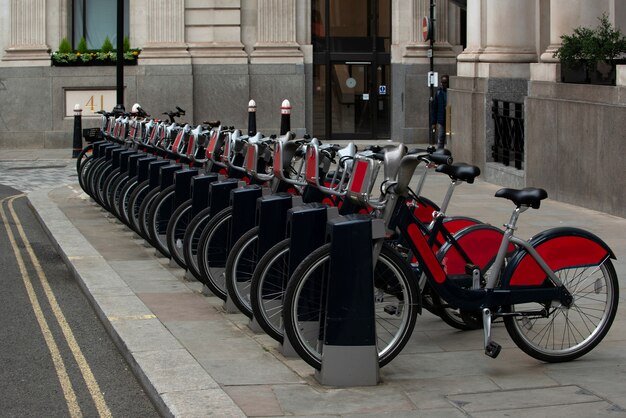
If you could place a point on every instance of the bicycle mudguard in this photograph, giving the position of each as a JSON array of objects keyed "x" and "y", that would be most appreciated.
[{"x": 560, "y": 248}]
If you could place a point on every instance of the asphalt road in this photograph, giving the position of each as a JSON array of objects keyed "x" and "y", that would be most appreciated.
[{"x": 56, "y": 359}]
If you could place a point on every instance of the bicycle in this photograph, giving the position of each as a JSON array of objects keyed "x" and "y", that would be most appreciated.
[{"x": 538, "y": 293}]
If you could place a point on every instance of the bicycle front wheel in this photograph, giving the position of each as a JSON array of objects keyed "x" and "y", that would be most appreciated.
[
  {"x": 240, "y": 264},
  {"x": 213, "y": 250},
  {"x": 564, "y": 334},
  {"x": 267, "y": 289},
  {"x": 396, "y": 299},
  {"x": 175, "y": 233}
]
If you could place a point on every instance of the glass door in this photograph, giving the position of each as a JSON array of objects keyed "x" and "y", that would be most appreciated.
[
  {"x": 351, "y": 97},
  {"x": 351, "y": 72}
]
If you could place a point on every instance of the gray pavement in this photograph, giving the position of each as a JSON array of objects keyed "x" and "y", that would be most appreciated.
[{"x": 197, "y": 360}]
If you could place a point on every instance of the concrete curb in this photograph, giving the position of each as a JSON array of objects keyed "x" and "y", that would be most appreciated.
[{"x": 169, "y": 374}]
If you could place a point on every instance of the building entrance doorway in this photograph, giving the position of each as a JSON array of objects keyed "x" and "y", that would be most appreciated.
[{"x": 351, "y": 74}]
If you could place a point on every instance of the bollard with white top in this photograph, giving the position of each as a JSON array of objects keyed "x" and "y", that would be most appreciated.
[
  {"x": 285, "y": 117},
  {"x": 77, "y": 143},
  {"x": 251, "y": 118}
]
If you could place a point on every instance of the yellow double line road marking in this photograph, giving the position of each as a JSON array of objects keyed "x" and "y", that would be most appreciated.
[{"x": 90, "y": 381}]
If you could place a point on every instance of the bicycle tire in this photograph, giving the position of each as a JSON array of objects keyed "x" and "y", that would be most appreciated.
[
  {"x": 176, "y": 228},
  {"x": 267, "y": 291},
  {"x": 93, "y": 170},
  {"x": 124, "y": 199},
  {"x": 157, "y": 221},
  {"x": 116, "y": 189},
  {"x": 586, "y": 285},
  {"x": 191, "y": 241},
  {"x": 239, "y": 269},
  {"x": 82, "y": 173},
  {"x": 144, "y": 214},
  {"x": 98, "y": 181},
  {"x": 402, "y": 286},
  {"x": 134, "y": 204},
  {"x": 84, "y": 154},
  {"x": 106, "y": 188},
  {"x": 213, "y": 250}
]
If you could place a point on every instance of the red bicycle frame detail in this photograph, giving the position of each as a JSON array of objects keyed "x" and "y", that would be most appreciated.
[{"x": 425, "y": 253}]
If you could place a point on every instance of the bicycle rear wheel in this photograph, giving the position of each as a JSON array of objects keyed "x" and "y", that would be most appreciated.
[
  {"x": 565, "y": 334},
  {"x": 396, "y": 299}
]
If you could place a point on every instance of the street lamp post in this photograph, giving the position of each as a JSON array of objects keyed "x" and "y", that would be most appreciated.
[
  {"x": 120, "y": 54},
  {"x": 431, "y": 36}
]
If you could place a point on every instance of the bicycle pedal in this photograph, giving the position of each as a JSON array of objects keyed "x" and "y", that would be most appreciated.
[
  {"x": 391, "y": 309},
  {"x": 492, "y": 349}
]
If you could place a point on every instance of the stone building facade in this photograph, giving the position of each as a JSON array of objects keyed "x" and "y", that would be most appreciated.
[
  {"x": 355, "y": 69},
  {"x": 211, "y": 56}
]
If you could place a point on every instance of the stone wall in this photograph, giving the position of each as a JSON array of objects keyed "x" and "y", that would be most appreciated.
[
  {"x": 574, "y": 138},
  {"x": 33, "y": 111}
]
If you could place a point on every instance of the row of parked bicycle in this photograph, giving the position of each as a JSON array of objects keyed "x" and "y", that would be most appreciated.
[{"x": 246, "y": 215}]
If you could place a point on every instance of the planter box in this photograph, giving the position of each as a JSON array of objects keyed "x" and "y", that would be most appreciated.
[
  {"x": 93, "y": 63},
  {"x": 603, "y": 74},
  {"x": 575, "y": 74}
]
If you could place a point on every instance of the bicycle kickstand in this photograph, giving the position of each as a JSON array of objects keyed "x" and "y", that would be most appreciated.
[{"x": 492, "y": 348}]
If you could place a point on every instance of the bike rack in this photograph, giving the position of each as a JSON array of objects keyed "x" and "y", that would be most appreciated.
[
  {"x": 219, "y": 194},
  {"x": 133, "y": 164},
  {"x": 154, "y": 172},
  {"x": 124, "y": 160},
  {"x": 306, "y": 226},
  {"x": 200, "y": 191},
  {"x": 243, "y": 203},
  {"x": 271, "y": 215},
  {"x": 143, "y": 168},
  {"x": 218, "y": 199},
  {"x": 182, "y": 182},
  {"x": 349, "y": 351}
]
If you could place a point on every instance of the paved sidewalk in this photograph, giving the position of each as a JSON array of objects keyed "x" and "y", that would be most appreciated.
[{"x": 197, "y": 360}]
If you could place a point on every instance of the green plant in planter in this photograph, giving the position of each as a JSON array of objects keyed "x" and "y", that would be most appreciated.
[
  {"x": 126, "y": 44},
  {"x": 107, "y": 46},
  {"x": 82, "y": 46},
  {"x": 589, "y": 48},
  {"x": 64, "y": 46}
]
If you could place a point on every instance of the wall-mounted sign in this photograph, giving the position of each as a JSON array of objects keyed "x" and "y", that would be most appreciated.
[
  {"x": 91, "y": 101},
  {"x": 351, "y": 83},
  {"x": 382, "y": 90},
  {"x": 366, "y": 96}
]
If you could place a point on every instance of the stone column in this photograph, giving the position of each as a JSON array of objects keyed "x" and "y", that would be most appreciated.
[
  {"x": 28, "y": 32},
  {"x": 566, "y": 15},
  {"x": 165, "y": 41},
  {"x": 416, "y": 47},
  {"x": 276, "y": 33},
  {"x": 499, "y": 45}
]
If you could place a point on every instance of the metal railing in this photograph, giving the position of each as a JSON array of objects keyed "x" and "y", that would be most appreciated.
[{"x": 508, "y": 121}]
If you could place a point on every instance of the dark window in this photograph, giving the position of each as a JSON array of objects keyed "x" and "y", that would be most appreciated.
[{"x": 95, "y": 20}]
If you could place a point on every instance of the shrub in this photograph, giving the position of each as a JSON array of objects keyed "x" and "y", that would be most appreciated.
[
  {"x": 107, "y": 46},
  {"x": 82, "y": 45},
  {"x": 65, "y": 47},
  {"x": 126, "y": 44}
]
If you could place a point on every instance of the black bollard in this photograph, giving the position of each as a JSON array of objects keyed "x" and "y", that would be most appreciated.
[
  {"x": 285, "y": 117},
  {"x": 77, "y": 144},
  {"x": 251, "y": 118}
]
